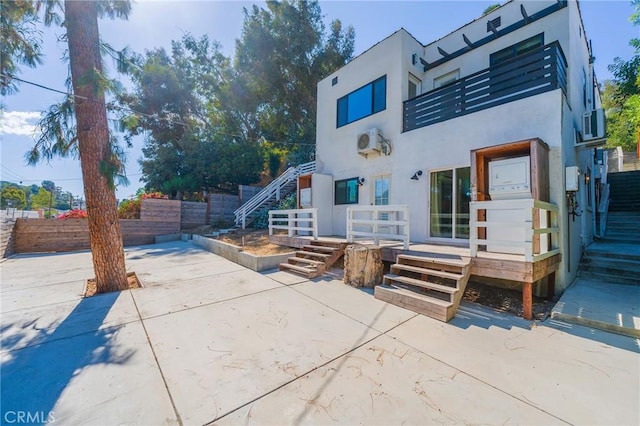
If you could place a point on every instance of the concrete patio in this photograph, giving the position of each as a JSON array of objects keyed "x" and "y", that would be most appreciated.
[{"x": 209, "y": 341}]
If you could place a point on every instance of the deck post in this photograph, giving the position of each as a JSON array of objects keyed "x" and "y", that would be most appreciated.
[
  {"x": 551, "y": 285},
  {"x": 527, "y": 300}
]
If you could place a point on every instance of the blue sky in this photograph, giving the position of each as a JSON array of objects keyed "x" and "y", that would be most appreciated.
[{"x": 156, "y": 23}]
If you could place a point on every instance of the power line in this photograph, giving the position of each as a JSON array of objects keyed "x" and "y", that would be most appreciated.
[{"x": 126, "y": 109}]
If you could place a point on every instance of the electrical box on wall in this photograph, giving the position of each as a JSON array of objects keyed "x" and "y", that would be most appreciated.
[{"x": 572, "y": 178}]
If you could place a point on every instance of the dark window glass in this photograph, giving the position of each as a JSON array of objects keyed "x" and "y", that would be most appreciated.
[
  {"x": 346, "y": 191},
  {"x": 517, "y": 49},
  {"x": 363, "y": 102}
]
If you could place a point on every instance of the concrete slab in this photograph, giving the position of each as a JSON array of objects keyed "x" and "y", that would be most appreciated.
[
  {"x": 41, "y": 296},
  {"x": 150, "y": 276},
  {"x": 104, "y": 377},
  {"x": 28, "y": 327},
  {"x": 285, "y": 278},
  {"x": 356, "y": 304},
  {"x": 218, "y": 357},
  {"x": 569, "y": 377},
  {"x": 605, "y": 306},
  {"x": 388, "y": 383},
  {"x": 176, "y": 295}
]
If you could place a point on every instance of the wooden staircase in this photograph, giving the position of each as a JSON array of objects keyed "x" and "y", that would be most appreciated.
[
  {"x": 314, "y": 259},
  {"x": 426, "y": 285}
]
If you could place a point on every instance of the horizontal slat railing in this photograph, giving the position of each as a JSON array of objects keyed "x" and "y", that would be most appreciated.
[
  {"x": 294, "y": 222},
  {"x": 271, "y": 191},
  {"x": 380, "y": 222},
  {"x": 540, "y": 227},
  {"x": 538, "y": 71}
]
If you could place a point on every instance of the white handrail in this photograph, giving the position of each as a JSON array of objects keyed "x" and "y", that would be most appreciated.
[
  {"x": 540, "y": 227},
  {"x": 290, "y": 221},
  {"x": 377, "y": 223},
  {"x": 271, "y": 191}
]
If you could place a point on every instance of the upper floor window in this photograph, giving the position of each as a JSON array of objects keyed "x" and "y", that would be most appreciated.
[
  {"x": 445, "y": 79},
  {"x": 415, "y": 86},
  {"x": 363, "y": 102},
  {"x": 516, "y": 49}
]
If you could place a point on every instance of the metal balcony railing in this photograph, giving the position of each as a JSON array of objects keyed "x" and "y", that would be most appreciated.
[{"x": 541, "y": 70}]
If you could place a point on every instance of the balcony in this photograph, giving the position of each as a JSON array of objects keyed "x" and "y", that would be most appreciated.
[{"x": 541, "y": 70}]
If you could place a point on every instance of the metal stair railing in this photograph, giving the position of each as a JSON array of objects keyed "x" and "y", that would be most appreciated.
[{"x": 271, "y": 191}]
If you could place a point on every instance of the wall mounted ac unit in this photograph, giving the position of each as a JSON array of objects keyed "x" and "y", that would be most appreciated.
[
  {"x": 369, "y": 142},
  {"x": 593, "y": 124}
]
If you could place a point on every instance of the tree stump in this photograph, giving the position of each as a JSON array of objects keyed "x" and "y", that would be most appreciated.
[{"x": 363, "y": 266}]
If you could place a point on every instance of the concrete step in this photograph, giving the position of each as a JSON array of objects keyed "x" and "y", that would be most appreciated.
[
  {"x": 606, "y": 278},
  {"x": 627, "y": 251},
  {"x": 612, "y": 266},
  {"x": 390, "y": 279},
  {"x": 425, "y": 305},
  {"x": 625, "y": 239}
]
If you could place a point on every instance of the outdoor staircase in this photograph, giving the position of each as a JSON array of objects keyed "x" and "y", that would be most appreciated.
[
  {"x": 314, "y": 259},
  {"x": 615, "y": 258},
  {"x": 279, "y": 188},
  {"x": 426, "y": 285}
]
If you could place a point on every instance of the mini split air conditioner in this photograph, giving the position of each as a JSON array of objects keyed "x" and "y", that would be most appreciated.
[
  {"x": 593, "y": 125},
  {"x": 369, "y": 142}
]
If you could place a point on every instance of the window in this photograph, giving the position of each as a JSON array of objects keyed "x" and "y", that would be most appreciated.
[
  {"x": 363, "y": 102},
  {"x": 415, "y": 86},
  {"x": 450, "y": 197},
  {"x": 517, "y": 49},
  {"x": 346, "y": 191},
  {"x": 381, "y": 191},
  {"x": 447, "y": 78}
]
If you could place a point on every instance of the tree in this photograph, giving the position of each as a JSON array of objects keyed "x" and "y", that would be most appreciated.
[
  {"x": 13, "y": 197},
  {"x": 88, "y": 134},
  {"x": 20, "y": 40},
  {"x": 621, "y": 97},
  {"x": 41, "y": 199}
]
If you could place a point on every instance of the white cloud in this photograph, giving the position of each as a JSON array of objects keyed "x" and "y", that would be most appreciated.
[{"x": 18, "y": 122}]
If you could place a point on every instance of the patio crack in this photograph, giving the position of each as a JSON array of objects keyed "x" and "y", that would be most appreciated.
[{"x": 155, "y": 357}]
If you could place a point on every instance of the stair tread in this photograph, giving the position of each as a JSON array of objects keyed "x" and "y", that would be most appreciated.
[
  {"x": 313, "y": 254},
  {"x": 303, "y": 269},
  {"x": 320, "y": 248},
  {"x": 307, "y": 261},
  {"x": 443, "y": 261},
  {"x": 421, "y": 283},
  {"x": 427, "y": 271},
  {"x": 418, "y": 296}
]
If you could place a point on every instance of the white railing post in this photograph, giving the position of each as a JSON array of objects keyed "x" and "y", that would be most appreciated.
[
  {"x": 314, "y": 215},
  {"x": 349, "y": 226},
  {"x": 244, "y": 218},
  {"x": 473, "y": 229},
  {"x": 407, "y": 235},
  {"x": 290, "y": 216}
]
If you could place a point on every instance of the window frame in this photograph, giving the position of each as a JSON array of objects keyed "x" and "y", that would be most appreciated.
[
  {"x": 346, "y": 200},
  {"x": 515, "y": 51},
  {"x": 378, "y": 102}
]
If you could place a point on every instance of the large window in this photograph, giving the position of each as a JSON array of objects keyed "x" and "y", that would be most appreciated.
[
  {"x": 516, "y": 49},
  {"x": 363, "y": 102},
  {"x": 346, "y": 191},
  {"x": 450, "y": 197}
]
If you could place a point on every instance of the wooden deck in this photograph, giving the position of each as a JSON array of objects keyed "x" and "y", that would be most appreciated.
[{"x": 486, "y": 264}]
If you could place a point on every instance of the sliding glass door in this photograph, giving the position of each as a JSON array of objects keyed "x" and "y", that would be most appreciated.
[{"x": 450, "y": 197}]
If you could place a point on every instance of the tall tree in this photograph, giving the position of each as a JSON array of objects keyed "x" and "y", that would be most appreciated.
[
  {"x": 88, "y": 134},
  {"x": 13, "y": 196},
  {"x": 94, "y": 144}
]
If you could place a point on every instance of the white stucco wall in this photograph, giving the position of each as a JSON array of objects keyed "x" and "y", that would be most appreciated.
[{"x": 550, "y": 116}]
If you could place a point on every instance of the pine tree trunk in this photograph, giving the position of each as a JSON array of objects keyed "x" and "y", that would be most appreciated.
[
  {"x": 81, "y": 19},
  {"x": 363, "y": 266}
]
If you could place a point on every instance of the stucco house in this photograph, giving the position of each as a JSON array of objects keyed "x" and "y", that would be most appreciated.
[{"x": 485, "y": 139}]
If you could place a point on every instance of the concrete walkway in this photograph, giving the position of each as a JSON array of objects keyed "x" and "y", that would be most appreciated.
[{"x": 207, "y": 341}]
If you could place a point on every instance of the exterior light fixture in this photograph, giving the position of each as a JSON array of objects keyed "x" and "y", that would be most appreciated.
[
  {"x": 416, "y": 175},
  {"x": 360, "y": 181}
]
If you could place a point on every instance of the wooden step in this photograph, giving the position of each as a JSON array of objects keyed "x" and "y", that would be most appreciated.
[
  {"x": 319, "y": 248},
  {"x": 425, "y": 271},
  {"x": 425, "y": 305},
  {"x": 434, "y": 260},
  {"x": 312, "y": 254},
  {"x": 325, "y": 243},
  {"x": 309, "y": 262},
  {"x": 302, "y": 270},
  {"x": 419, "y": 283}
]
